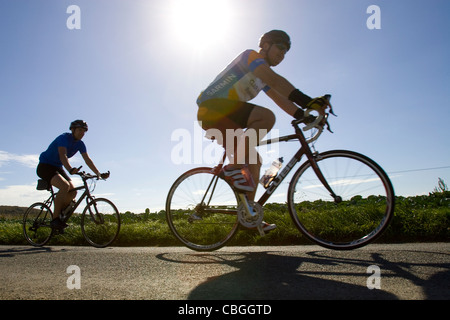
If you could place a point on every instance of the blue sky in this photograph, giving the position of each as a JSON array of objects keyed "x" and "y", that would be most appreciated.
[{"x": 135, "y": 68}]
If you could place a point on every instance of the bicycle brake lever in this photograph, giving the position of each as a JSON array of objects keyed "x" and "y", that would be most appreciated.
[
  {"x": 328, "y": 127},
  {"x": 331, "y": 111}
]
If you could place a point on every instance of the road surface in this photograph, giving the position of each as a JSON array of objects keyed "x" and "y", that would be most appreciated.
[{"x": 397, "y": 271}]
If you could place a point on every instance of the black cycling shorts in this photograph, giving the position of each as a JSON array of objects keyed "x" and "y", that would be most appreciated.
[
  {"x": 224, "y": 114},
  {"x": 47, "y": 172}
]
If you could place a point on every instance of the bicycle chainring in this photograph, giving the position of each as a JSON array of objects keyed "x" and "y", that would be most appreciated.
[{"x": 251, "y": 221}]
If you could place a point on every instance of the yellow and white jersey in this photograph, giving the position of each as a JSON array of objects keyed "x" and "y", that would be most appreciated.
[{"x": 237, "y": 81}]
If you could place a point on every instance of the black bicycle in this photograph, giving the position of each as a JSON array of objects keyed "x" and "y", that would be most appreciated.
[
  {"x": 338, "y": 199},
  {"x": 100, "y": 219}
]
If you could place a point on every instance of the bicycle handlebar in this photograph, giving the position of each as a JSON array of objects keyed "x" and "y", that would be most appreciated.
[
  {"x": 86, "y": 176},
  {"x": 315, "y": 123},
  {"x": 318, "y": 122}
]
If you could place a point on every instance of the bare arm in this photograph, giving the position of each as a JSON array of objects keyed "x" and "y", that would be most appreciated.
[
  {"x": 274, "y": 80},
  {"x": 284, "y": 103},
  {"x": 282, "y": 92},
  {"x": 90, "y": 163},
  {"x": 63, "y": 157}
]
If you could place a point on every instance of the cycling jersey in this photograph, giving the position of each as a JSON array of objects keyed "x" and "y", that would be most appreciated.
[
  {"x": 51, "y": 155},
  {"x": 237, "y": 81}
]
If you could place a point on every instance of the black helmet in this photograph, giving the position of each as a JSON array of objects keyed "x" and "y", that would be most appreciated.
[
  {"x": 274, "y": 37},
  {"x": 78, "y": 124}
]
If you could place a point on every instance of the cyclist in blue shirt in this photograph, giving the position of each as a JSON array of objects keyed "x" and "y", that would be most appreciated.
[{"x": 52, "y": 161}]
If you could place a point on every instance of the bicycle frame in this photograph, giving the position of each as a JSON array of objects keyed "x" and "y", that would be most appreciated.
[
  {"x": 86, "y": 194},
  {"x": 304, "y": 150}
]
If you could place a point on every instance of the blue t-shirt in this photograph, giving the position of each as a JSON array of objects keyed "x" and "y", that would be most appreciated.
[{"x": 51, "y": 155}]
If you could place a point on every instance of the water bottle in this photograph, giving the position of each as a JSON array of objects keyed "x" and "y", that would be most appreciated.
[
  {"x": 69, "y": 209},
  {"x": 271, "y": 173}
]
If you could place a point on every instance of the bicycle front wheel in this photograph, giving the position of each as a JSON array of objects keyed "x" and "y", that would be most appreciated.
[
  {"x": 363, "y": 210},
  {"x": 100, "y": 223},
  {"x": 201, "y": 210},
  {"x": 36, "y": 224}
]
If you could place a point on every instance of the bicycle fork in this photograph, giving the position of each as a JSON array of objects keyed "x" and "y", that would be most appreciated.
[{"x": 319, "y": 174}]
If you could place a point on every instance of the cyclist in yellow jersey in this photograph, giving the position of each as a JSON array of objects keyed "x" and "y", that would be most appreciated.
[{"x": 224, "y": 103}]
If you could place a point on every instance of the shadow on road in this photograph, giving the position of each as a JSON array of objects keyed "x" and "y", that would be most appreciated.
[
  {"x": 20, "y": 250},
  {"x": 314, "y": 275}
]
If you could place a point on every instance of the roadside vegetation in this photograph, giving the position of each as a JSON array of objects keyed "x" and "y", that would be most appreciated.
[{"x": 418, "y": 218}]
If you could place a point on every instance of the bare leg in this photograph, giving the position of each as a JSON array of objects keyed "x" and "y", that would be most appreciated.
[
  {"x": 243, "y": 151},
  {"x": 64, "y": 196},
  {"x": 260, "y": 122}
]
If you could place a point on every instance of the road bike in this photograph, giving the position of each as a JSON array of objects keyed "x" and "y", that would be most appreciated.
[
  {"x": 338, "y": 199},
  {"x": 100, "y": 219}
]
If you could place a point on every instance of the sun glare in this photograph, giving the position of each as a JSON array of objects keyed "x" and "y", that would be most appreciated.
[{"x": 201, "y": 23}]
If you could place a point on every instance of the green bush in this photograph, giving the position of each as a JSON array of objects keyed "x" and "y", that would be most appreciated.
[{"x": 418, "y": 218}]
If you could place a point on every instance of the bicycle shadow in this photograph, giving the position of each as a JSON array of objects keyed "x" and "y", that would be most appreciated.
[
  {"x": 21, "y": 251},
  {"x": 270, "y": 276},
  {"x": 273, "y": 276}
]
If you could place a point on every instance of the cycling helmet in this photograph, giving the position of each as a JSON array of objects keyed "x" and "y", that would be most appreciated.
[
  {"x": 78, "y": 124},
  {"x": 274, "y": 37}
]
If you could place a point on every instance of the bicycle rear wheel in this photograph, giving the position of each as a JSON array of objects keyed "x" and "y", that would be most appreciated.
[
  {"x": 36, "y": 224},
  {"x": 366, "y": 208},
  {"x": 100, "y": 223},
  {"x": 201, "y": 210}
]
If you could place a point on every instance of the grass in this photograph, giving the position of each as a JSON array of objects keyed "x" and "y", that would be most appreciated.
[{"x": 420, "y": 218}]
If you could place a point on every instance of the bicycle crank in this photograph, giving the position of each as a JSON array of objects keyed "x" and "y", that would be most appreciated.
[{"x": 250, "y": 214}]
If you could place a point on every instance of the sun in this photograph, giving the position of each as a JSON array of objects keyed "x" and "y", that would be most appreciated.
[{"x": 201, "y": 23}]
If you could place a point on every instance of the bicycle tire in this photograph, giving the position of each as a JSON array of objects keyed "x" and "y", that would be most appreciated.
[
  {"x": 100, "y": 223},
  {"x": 198, "y": 225},
  {"x": 363, "y": 214},
  {"x": 36, "y": 224}
]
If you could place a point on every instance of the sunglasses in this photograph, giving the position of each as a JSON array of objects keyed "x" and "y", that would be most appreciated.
[{"x": 281, "y": 47}]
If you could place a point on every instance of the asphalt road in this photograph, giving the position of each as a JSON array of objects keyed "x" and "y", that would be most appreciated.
[{"x": 400, "y": 271}]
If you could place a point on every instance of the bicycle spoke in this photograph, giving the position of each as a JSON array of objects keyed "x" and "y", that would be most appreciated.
[
  {"x": 36, "y": 224},
  {"x": 366, "y": 207},
  {"x": 202, "y": 211},
  {"x": 100, "y": 223}
]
